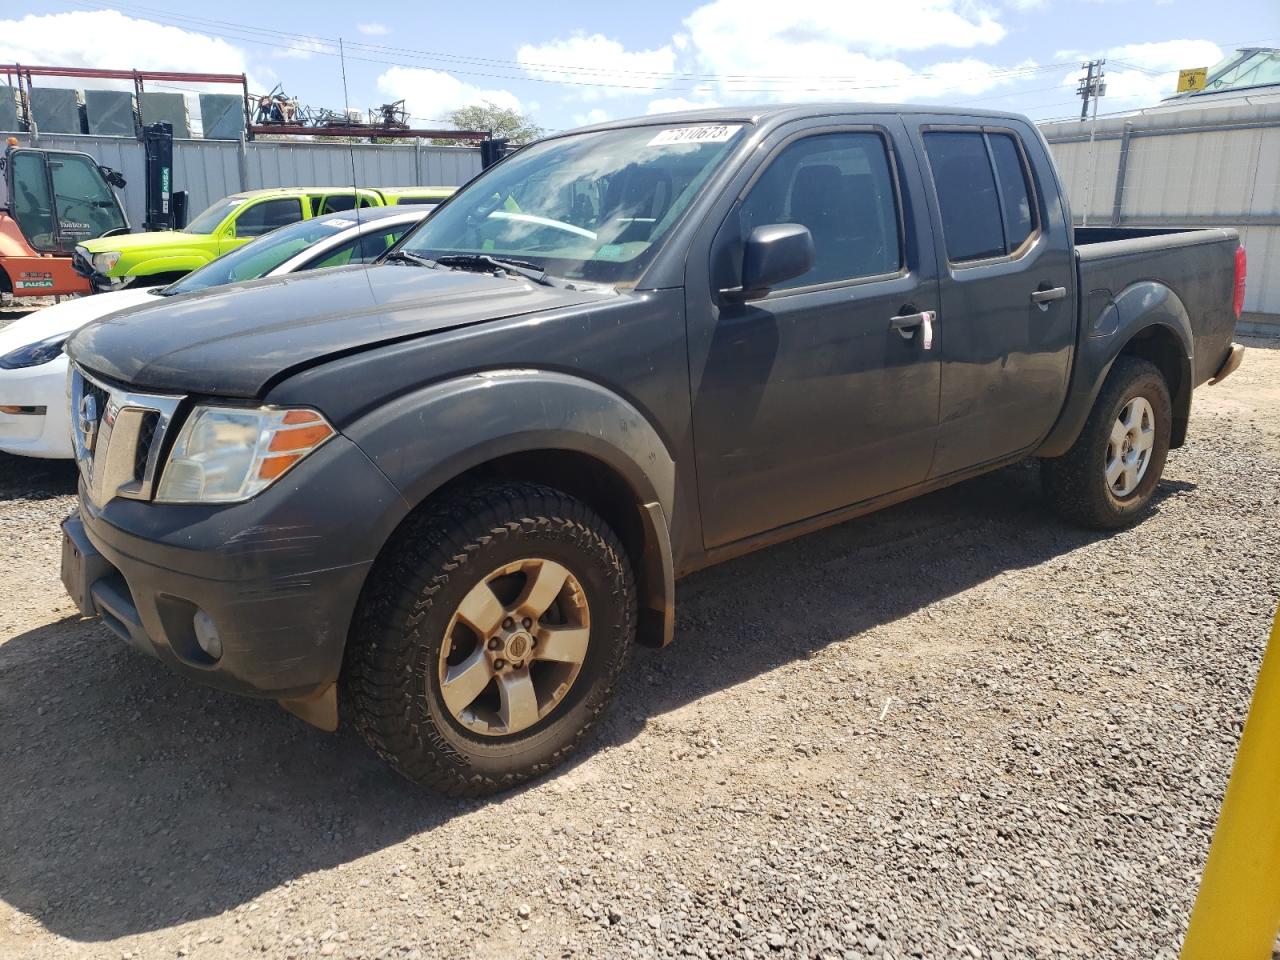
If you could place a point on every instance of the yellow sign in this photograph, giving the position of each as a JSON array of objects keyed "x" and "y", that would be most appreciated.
[{"x": 1192, "y": 79}]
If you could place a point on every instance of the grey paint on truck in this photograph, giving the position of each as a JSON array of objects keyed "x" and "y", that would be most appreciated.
[{"x": 701, "y": 429}]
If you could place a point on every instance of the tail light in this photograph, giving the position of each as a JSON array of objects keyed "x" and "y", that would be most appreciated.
[{"x": 1242, "y": 268}]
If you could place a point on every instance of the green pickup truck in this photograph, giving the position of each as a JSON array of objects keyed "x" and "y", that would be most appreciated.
[{"x": 163, "y": 256}]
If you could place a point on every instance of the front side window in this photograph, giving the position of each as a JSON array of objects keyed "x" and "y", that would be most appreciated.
[
  {"x": 984, "y": 193},
  {"x": 840, "y": 186},
  {"x": 268, "y": 215},
  {"x": 32, "y": 203},
  {"x": 592, "y": 206},
  {"x": 85, "y": 204},
  {"x": 212, "y": 217}
]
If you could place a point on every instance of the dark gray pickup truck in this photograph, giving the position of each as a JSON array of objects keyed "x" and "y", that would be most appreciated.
[{"x": 460, "y": 483}]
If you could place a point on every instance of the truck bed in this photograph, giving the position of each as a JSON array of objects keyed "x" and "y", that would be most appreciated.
[{"x": 1197, "y": 265}]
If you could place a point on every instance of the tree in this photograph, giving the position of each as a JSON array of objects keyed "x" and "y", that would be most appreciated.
[{"x": 500, "y": 121}]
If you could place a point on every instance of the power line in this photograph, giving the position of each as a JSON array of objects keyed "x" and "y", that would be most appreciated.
[{"x": 782, "y": 83}]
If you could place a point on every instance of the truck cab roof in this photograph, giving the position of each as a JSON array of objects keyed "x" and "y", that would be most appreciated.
[{"x": 785, "y": 112}]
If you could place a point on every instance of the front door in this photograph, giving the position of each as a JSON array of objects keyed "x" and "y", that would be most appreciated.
[
  {"x": 815, "y": 397},
  {"x": 1006, "y": 324}
]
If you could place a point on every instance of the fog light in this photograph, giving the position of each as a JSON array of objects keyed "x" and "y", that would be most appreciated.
[{"x": 207, "y": 635}]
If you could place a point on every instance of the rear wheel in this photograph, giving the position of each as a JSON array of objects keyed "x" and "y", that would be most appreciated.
[
  {"x": 491, "y": 637},
  {"x": 1107, "y": 478}
]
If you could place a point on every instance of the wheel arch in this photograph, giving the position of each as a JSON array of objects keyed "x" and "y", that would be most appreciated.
[
  {"x": 541, "y": 427},
  {"x": 1146, "y": 320}
]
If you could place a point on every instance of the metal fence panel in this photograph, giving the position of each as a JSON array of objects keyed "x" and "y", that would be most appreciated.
[
  {"x": 207, "y": 170},
  {"x": 1206, "y": 166},
  {"x": 1090, "y": 179},
  {"x": 1191, "y": 174},
  {"x": 211, "y": 169}
]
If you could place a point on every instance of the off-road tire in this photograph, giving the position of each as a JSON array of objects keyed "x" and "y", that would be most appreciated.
[
  {"x": 390, "y": 674},
  {"x": 1075, "y": 483}
]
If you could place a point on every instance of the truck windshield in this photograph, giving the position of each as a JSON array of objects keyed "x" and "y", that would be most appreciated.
[
  {"x": 208, "y": 221},
  {"x": 590, "y": 206},
  {"x": 259, "y": 257}
]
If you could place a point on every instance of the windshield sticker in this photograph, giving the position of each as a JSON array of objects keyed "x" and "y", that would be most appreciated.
[
  {"x": 339, "y": 222},
  {"x": 703, "y": 133}
]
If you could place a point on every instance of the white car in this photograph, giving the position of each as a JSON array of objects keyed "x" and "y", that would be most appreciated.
[{"x": 34, "y": 414}]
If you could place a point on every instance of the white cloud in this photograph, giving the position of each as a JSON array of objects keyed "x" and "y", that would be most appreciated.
[
  {"x": 433, "y": 94},
  {"x": 760, "y": 30},
  {"x": 373, "y": 29},
  {"x": 1142, "y": 74},
  {"x": 759, "y": 50},
  {"x": 582, "y": 61},
  {"x": 813, "y": 49},
  {"x": 595, "y": 115},
  {"x": 301, "y": 49},
  {"x": 677, "y": 104},
  {"x": 105, "y": 38}
]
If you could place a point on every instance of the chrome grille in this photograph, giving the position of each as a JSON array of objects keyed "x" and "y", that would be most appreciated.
[{"x": 117, "y": 435}]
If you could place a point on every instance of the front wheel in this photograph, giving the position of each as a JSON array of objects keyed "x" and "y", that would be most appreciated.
[
  {"x": 491, "y": 637},
  {"x": 1107, "y": 478}
]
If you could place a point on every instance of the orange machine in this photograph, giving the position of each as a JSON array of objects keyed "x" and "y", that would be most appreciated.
[{"x": 53, "y": 200}]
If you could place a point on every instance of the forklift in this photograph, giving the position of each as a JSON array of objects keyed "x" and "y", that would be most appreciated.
[{"x": 52, "y": 200}]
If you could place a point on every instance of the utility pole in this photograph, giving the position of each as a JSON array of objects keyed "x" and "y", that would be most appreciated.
[{"x": 1092, "y": 87}]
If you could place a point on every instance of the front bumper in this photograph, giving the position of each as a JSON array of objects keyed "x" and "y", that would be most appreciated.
[
  {"x": 279, "y": 576},
  {"x": 43, "y": 428}
]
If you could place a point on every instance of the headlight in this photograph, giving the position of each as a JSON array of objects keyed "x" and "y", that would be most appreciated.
[
  {"x": 228, "y": 454},
  {"x": 34, "y": 354},
  {"x": 106, "y": 262}
]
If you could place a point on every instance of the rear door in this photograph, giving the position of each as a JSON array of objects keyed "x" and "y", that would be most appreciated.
[
  {"x": 811, "y": 399},
  {"x": 1007, "y": 291}
]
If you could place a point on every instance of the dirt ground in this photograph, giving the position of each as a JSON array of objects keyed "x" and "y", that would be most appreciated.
[{"x": 952, "y": 729}]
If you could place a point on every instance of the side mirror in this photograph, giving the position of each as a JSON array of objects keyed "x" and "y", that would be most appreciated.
[{"x": 773, "y": 254}]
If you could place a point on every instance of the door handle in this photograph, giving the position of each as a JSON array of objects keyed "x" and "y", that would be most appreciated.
[
  {"x": 907, "y": 324},
  {"x": 1048, "y": 295}
]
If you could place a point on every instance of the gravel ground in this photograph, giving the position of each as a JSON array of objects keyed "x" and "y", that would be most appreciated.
[{"x": 953, "y": 729}]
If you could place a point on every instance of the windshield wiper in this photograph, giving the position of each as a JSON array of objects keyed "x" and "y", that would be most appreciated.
[
  {"x": 523, "y": 268},
  {"x": 404, "y": 256}
]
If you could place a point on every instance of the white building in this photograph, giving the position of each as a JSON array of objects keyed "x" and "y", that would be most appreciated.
[{"x": 1209, "y": 158}]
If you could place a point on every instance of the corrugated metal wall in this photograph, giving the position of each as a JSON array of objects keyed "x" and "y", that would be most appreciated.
[
  {"x": 211, "y": 169},
  {"x": 1209, "y": 166}
]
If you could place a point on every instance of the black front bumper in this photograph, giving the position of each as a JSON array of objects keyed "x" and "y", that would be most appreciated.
[{"x": 279, "y": 576}]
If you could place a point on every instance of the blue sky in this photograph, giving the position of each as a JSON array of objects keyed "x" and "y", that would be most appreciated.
[{"x": 575, "y": 62}]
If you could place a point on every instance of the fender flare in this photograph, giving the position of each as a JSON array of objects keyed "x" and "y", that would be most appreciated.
[
  {"x": 1143, "y": 309},
  {"x": 428, "y": 437}
]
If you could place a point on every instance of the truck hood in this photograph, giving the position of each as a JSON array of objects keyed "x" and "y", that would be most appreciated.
[
  {"x": 153, "y": 240},
  {"x": 233, "y": 341}
]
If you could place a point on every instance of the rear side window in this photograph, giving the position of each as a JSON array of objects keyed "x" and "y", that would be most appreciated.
[
  {"x": 266, "y": 216},
  {"x": 984, "y": 193},
  {"x": 363, "y": 249},
  {"x": 1015, "y": 190},
  {"x": 337, "y": 202}
]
